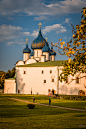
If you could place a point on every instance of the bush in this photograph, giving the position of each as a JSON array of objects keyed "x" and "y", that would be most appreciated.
[
  {"x": 72, "y": 97},
  {"x": 31, "y": 106}
]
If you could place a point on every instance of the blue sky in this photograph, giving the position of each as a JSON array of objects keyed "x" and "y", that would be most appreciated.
[{"x": 19, "y": 20}]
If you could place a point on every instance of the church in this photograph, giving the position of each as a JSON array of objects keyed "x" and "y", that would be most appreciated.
[{"x": 38, "y": 72}]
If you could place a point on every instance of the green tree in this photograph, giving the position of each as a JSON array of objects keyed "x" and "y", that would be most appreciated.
[
  {"x": 2, "y": 77},
  {"x": 75, "y": 48}
]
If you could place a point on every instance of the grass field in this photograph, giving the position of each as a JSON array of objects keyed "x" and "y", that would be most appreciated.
[{"x": 16, "y": 115}]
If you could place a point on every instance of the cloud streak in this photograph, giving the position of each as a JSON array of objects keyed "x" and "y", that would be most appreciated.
[
  {"x": 38, "y": 8},
  {"x": 56, "y": 27},
  {"x": 14, "y": 34}
]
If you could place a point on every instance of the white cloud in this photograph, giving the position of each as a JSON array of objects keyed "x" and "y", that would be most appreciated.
[
  {"x": 38, "y": 8},
  {"x": 41, "y": 18},
  {"x": 27, "y": 33},
  {"x": 35, "y": 33},
  {"x": 20, "y": 41},
  {"x": 12, "y": 34},
  {"x": 67, "y": 20},
  {"x": 56, "y": 27}
]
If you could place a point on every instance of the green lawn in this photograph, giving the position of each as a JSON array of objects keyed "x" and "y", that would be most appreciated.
[{"x": 16, "y": 114}]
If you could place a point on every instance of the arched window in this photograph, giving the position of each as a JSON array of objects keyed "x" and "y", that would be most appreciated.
[
  {"x": 44, "y": 81},
  {"x": 67, "y": 80},
  {"x": 24, "y": 72},
  {"x": 50, "y": 71},
  {"x": 42, "y": 71},
  {"x": 52, "y": 80}
]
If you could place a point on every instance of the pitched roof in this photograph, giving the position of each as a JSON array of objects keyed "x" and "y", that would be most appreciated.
[{"x": 45, "y": 64}]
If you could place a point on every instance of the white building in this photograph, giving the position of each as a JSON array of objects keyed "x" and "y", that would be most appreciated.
[{"x": 38, "y": 72}]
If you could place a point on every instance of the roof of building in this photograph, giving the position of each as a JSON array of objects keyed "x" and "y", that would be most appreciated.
[
  {"x": 26, "y": 50},
  {"x": 39, "y": 42},
  {"x": 45, "y": 64},
  {"x": 52, "y": 52},
  {"x": 46, "y": 48}
]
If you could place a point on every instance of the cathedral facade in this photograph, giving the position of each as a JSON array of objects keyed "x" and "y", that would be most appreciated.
[{"x": 38, "y": 72}]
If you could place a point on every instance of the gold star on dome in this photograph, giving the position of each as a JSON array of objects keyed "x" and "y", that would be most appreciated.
[
  {"x": 40, "y": 24},
  {"x": 46, "y": 38},
  {"x": 26, "y": 41}
]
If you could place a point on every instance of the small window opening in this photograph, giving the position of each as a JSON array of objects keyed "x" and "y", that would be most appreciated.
[
  {"x": 42, "y": 71},
  {"x": 52, "y": 80},
  {"x": 77, "y": 79},
  {"x": 44, "y": 81},
  {"x": 50, "y": 71},
  {"x": 24, "y": 72}
]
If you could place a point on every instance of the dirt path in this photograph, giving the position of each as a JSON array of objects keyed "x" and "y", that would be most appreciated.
[{"x": 49, "y": 105}]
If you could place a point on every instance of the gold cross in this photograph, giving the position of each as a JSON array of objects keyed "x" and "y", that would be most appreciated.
[
  {"x": 26, "y": 41},
  {"x": 46, "y": 38},
  {"x": 39, "y": 24}
]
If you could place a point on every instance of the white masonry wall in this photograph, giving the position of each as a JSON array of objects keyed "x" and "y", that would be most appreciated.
[
  {"x": 32, "y": 78},
  {"x": 26, "y": 56},
  {"x": 47, "y": 55},
  {"x": 37, "y": 53},
  {"x": 9, "y": 86},
  {"x": 72, "y": 88}
]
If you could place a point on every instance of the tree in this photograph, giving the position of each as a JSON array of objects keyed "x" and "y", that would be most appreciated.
[
  {"x": 4, "y": 75},
  {"x": 75, "y": 48}
]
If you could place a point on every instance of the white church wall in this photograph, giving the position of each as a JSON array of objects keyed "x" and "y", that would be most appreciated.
[
  {"x": 37, "y": 53},
  {"x": 72, "y": 88},
  {"x": 37, "y": 79},
  {"x": 53, "y": 57},
  {"x": 9, "y": 86},
  {"x": 26, "y": 56},
  {"x": 43, "y": 58},
  {"x": 30, "y": 61},
  {"x": 47, "y": 55}
]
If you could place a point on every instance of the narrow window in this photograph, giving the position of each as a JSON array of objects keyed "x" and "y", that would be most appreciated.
[
  {"x": 77, "y": 79},
  {"x": 42, "y": 71},
  {"x": 52, "y": 80},
  {"x": 67, "y": 80},
  {"x": 24, "y": 72},
  {"x": 50, "y": 71},
  {"x": 44, "y": 81}
]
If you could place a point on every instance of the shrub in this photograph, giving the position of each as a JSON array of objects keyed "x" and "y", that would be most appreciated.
[
  {"x": 31, "y": 106},
  {"x": 72, "y": 97}
]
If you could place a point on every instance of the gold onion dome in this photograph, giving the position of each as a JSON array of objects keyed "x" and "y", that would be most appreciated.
[{"x": 39, "y": 42}]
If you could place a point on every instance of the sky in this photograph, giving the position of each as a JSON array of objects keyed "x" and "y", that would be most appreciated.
[{"x": 19, "y": 20}]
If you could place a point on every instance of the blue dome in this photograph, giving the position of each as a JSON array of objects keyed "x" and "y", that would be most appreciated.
[
  {"x": 45, "y": 48},
  {"x": 52, "y": 52},
  {"x": 39, "y": 42},
  {"x": 32, "y": 53},
  {"x": 26, "y": 50}
]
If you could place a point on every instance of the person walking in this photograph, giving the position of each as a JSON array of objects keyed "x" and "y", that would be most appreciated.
[
  {"x": 33, "y": 99},
  {"x": 49, "y": 101}
]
